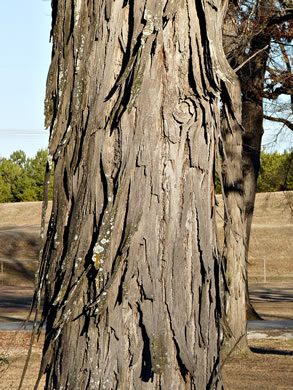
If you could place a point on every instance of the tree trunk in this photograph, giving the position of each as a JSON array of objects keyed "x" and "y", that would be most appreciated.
[
  {"x": 252, "y": 77},
  {"x": 252, "y": 84},
  {"x": 130, "y": 264},
  {"x": 242, "y": 150}
]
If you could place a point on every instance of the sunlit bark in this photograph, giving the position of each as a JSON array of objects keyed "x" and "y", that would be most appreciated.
[{"x": 130, "y": 265}]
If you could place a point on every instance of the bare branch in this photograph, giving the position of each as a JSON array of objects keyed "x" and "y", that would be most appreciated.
[
  {"x": 277, "y": 92},
  {"x": 285, "y": 57},
  {"x": 287, "y": 44},
  {"x": 288, "y": 66},
  {"x": 281, "y": 18},
  {"x": 286, "y": 122},
  {"x": 250, "y": 58}
]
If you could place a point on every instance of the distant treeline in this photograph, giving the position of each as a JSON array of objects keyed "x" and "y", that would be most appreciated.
[
  {"x": 22, "y": 178},
  {"x": 276, "y": 172}
]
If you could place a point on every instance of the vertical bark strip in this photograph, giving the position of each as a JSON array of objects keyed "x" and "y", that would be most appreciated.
[
  {"x": 234, "y": 249},
  {"x": 130, "y": 264}
]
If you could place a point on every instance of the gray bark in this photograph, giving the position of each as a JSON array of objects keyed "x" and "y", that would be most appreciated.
[
  {"x": 130, "y": 265},
  {"x": 234, "y": 261},
  {"x": 242, "y": 147},
  {"x": 252, "y": 77},
  {"x": 252, "y": 120}
]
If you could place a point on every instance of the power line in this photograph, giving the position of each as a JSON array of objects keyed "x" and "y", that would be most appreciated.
[
  {"x": 24, "y": 131},
  {"x": 27, "y": 129}
]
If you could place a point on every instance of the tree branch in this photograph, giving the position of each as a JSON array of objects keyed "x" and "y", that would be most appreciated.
[
  {"x": 277, "y": 92},
  {"x": 281, "y": 18},
  {"x": 289, "y": 70},
  {"x": 250, "y": 58},
  {"x": 286, "y": 122}
]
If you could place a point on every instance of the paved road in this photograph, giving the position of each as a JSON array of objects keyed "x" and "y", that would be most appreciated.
[
  {"x": 10, "y": 326},
  {"x": 268, "y": 325}
]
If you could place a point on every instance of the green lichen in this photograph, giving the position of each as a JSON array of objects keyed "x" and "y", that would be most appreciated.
[
  {"x": 158, "y": 355},
  {"x": 96, "y": 260},
  {"x": 49, "y": 111},
  {"x": 137, "y": 79}
]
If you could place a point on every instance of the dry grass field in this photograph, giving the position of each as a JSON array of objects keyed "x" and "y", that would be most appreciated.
[
  {"x": 267, "y": 367},
  {"x": 14, "y": 346},
  {"x": 271, "y": 237}
]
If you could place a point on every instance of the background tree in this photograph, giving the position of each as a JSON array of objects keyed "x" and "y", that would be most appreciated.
[
  {"x": 18, "y": 157},
  {"x": 249, "y": 31},
  {"x": 35, "y": 170},
  {"x": 16, "y": 182},
  {"x": 5, "y": 190},
  {"x": 130, "y": 265},
  {"x": 276, "y": 172},
  {"x": 22, "y": 178},
  {"x": 261, "y": 29}
]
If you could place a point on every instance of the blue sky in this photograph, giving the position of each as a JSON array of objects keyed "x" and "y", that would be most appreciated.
[{"x": 25, "y": 58}]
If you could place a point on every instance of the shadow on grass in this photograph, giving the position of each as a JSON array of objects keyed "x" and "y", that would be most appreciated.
[
  {"x": 280, "y": 294},
  {"x": 15, "y": 302},
  {"x": 265, "y": 351},
  {"x": 17, "y": 320},
  {"x": 23, "y": 269},
  {"x": 274, "y": 317}
]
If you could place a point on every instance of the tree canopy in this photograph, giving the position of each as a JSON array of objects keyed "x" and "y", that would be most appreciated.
[
  {"x": 276, "y": 172},
  {"x": 22, "y": 178}
]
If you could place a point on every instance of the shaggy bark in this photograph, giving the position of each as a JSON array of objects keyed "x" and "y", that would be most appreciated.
[
  {"x": 130, "y": 265},
  {"x": 242, "y": 147},
  {"x": 234, "y": 261}
]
